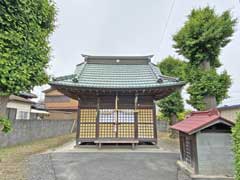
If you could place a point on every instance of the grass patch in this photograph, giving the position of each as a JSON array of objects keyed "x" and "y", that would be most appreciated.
[{"x": 12, "y": 158}]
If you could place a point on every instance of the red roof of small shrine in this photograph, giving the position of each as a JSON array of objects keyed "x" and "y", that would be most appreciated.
[{"x": 198, "y": 120}]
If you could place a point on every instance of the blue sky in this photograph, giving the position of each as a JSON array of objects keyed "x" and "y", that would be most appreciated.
[{"x": 136, "y": 27}]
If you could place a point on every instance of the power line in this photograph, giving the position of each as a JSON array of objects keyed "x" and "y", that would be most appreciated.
[{"x": 166, "y": 25}]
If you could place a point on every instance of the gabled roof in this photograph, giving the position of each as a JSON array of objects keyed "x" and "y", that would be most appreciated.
[
  {"x": 225, "y": 107},
  {"x": 48, "y": 90},
  {"x": 199, "y": 120},
  {"x": 39, "y": 106},
  {"x": 27, "y": 95},
  {"x": 117, "y": 72},
  {"x": 20, "y": 99}
]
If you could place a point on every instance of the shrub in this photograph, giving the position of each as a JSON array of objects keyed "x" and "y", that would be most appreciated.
[
  {"x": 7, "y": 125},
  {"x": 236, "y": 147}
]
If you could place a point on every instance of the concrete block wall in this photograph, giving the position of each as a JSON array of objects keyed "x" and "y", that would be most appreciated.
[
  {"x": 215, "y": 156},
  {"x": 162, "y": 126},
  {"x": 30, "y": 130}
]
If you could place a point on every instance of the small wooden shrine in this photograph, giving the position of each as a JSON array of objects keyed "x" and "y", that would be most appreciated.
[
  {"x": 116, "y": 97},
  {"x": 205, "y": 143}
]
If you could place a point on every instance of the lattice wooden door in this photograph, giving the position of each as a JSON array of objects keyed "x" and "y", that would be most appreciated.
[{"x": 116, "y": 124}]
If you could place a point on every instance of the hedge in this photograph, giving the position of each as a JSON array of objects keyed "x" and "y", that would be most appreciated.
[{"x": 236, "y": 147}]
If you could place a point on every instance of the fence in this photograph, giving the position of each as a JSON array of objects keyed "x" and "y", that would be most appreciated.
[
  {"x": 162, "y": 126},
  {"x": 30, "y": 130}
]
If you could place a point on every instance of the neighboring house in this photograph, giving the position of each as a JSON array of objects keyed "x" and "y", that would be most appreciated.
[
  {"x": 229, "y": 112},
  {"x": 19, "y": 107},
  {"x": 38, "y": 111},
  {"x": 22, "y": 107},
  {"x": 59, "y": 106}
]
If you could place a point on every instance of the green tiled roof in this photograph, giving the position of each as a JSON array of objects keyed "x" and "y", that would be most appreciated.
[{"x": 116, "y": 72}]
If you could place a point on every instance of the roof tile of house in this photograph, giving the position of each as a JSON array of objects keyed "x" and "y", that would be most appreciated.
[
  {"x": 198, "y": 120},
  {"x": 20, "y": 99},
  {"x": 117, "y": 72}
]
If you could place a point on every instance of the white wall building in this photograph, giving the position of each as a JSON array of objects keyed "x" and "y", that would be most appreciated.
[{"x": 19, "y": 108}]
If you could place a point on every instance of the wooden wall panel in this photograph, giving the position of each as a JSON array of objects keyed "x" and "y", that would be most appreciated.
[
  {"x": 72, "y": 104},
  {"x": 107, "y": 130},
  {"x": 126, "y": 127},
  {"x": 145, "y": 116},
  {"x": 88, "y": 115},
  {"x": 145, "y": 131},
  {"x": 68, "y": 105},
  {"x": 87, "y": 131},
  {"x": 126, "y": 130}
]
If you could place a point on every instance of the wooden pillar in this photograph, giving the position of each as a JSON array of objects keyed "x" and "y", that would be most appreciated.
[
  {"x": 78, "y": 123},
  {"x": 136, "y": 117},
  {"x": 154, "y": 121},
  {"x": 194, "y": 154},
  {"x": 181, "y": 143},
  {"x": 97, "y": 118},
  {"x": 116, "y": 116},
  {"x": 136, "y": 101}
]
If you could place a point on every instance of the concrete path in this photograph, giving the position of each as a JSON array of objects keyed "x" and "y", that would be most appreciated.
[
  {"x": 161, "y": 147},
  {"x": 109, "y": 163},
  {"x": 103, "y": 166}
]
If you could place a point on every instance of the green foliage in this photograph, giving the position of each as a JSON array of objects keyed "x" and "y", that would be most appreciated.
[
  {"x": 171, "y": 105},
  {"x": 203, "y": 35},
  {"x": 236, "y": 147},
  {"x": 182, "y": 115},
  {"x": 7, "y": 126},
  {"x": 171, "y": 66},
  {"x": 25, "y": 26},
  {"x": 161, "y": 117},
  {"x": 207, "y": 83},
  {"x": 201, "y": 39}
]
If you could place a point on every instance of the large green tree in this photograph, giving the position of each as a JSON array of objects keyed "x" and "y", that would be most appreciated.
[
  {"x": 25, "y": 27},
  {"x": 200, "y": 41},
  {"x": 172, "y": 105},
  {"x": 174, "y": 67}
]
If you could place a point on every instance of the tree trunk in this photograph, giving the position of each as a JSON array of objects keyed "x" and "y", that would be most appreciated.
[
  {"x": 3, "y": 105},
  {"x": 173, "y": 120},
  {"x": 205, "y": 65},
  {"x": 209, "y": 101}
]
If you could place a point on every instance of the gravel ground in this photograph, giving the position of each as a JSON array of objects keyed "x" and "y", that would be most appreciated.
[{"x": 40, "y": 167}]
